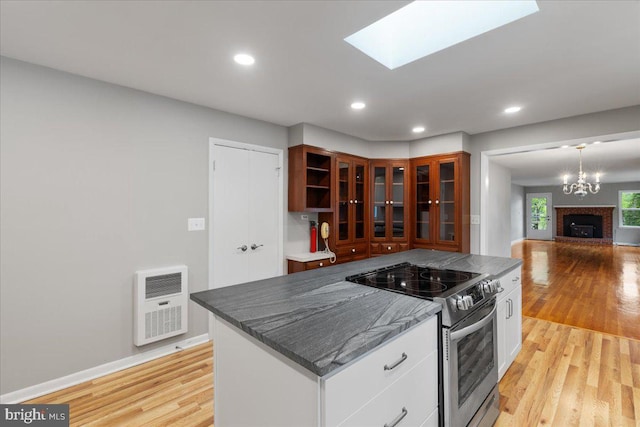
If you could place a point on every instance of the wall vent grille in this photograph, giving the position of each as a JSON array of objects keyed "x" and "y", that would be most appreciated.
[{"x": 160, "y": 304}]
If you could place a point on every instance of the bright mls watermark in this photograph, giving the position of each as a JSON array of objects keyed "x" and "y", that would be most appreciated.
[{"x": 35, "y": 415}]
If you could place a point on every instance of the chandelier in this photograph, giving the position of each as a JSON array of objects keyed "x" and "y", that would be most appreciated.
[{"x": 580, "y": 187}]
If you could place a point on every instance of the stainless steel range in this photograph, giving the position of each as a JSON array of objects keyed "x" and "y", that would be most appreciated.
[{"x": 469, "y": 331}]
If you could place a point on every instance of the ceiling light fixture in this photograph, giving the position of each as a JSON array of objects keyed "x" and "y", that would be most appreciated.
[
  {"x": 512, "y": 110},
  {"x": 580, "y": 187},
  {"x": 425, "y": 27},
  {"x": 358, "y": 105},
  {"x": 597, "y": 142},
  {"x": 244, "y": 59},
  {"x": 418, "y": 129}
]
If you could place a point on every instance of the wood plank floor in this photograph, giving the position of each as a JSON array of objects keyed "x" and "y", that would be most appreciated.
[
  {"x": 588, "y": 286},
  {"x": 175, "y": 390},
  {"x": 579, "y": 364}
]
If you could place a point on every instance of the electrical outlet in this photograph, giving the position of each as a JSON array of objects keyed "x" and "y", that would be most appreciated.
[
  {"x": 304, "y": 217},
  {"x": 475, "y": 219},
  {"x": 195, "y": 224}
]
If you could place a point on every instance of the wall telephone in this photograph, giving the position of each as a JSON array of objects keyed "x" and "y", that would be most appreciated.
[
  {"x": 324, "y": 230},
  {"x": 324, "y": 233}
]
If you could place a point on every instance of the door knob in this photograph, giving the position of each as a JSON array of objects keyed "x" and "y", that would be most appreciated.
[
  {"x": 242, "y": 248},
  {"x": 254, "y": 246}
]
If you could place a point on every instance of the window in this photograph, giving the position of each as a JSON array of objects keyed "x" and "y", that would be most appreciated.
[{"x": 630, "y": 208}]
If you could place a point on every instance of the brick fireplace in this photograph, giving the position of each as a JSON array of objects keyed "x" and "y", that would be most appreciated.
[{"x": 585, "y": 224}]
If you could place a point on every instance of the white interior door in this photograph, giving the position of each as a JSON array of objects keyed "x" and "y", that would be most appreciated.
[
  {"x": 246, "y": 235},
  {"x": 230, "y": 251},
  {"x": 264, "y": 256},
  {"x": 539, "y": 216}
]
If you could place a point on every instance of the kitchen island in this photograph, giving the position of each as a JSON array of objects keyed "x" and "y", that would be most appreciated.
[{"x": 309, "y": 348}]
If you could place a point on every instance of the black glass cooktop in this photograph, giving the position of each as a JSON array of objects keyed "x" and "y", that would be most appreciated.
[{"x": 410, "y": 279}]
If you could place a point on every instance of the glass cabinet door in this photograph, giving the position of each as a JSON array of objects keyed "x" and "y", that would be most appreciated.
[
  {"x": 446, "y": 201},
  {"x": 359, "y": 203},
  {"x": 397, "y": 201},
  {"x": 379, "y": 201},
  {"x": 423, "y": 202},
  {"x": 344, "y": 169}
]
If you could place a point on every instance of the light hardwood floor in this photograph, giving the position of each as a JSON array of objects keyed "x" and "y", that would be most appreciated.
[{"x": 582, "y": 373}]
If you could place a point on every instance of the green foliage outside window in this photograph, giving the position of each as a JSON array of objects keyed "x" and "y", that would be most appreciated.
[
  {"x": 539, "y": 213},
  {"x": 630, "y": 208}
]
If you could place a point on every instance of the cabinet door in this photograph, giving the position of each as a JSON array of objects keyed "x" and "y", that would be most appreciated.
[
  {"x": 380, "y": 202},
  {"x": 343, "y": 230},
  {"x": 397, "y": 203},
  {"x": 502, "y": 319},
  {"x": 514, "y": 325},
  {"x": 423, "y": 202},
  {"x": 359, "y": 196},
  {"x": 446, "y": 202}
]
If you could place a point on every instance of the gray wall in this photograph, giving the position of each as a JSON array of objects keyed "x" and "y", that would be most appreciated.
[
  {"x": 499, "y": 223},
  {"x": 517, "y": 212},
  {"x": 608, "y": 195},
  {"x": 97, "y": 181}
]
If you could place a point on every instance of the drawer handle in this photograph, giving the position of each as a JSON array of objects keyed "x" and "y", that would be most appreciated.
[
  {"x": 321, "y": 264},
  {"x": 399, "y": 418},
  {"x": 396, "y": 363},
  {"x": 353, "y": 250}
]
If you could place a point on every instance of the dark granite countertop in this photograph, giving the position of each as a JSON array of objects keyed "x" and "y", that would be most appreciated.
[{"x": 322, "y": 322}]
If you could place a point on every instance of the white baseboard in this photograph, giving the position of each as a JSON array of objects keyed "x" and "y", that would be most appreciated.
[
  {"x": 626, "y": 244},
  {"x": 513, "y": 242},
  {"x": 99, "y": 371}
]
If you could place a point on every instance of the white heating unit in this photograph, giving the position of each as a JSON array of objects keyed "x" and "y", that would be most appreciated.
[{"x": 160, "y": 300}]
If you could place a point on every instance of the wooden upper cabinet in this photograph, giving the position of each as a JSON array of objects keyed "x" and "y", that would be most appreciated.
[
  {"x": 441, "y": 199},
  {"x": 350, "y": 208},
  {"x": 389, "y": 207},
  {"x": 311, "y": 179},
  {"x": 349, "y": 219}
]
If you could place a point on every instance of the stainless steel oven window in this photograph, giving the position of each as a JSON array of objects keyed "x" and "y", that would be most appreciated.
[{"x": 475, "y": 360}]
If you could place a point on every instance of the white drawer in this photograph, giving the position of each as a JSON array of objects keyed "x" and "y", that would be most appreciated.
[
  {"x": 353, "y": 387},
  {"x": 413, "y": 397},
  {"x": 432, "y": 420},
  {"x": 509, "y": 282}
]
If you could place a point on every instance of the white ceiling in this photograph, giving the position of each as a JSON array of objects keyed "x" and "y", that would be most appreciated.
[
  {"x": 616, "y": 161},
  {"x": 571, "y": 58}
]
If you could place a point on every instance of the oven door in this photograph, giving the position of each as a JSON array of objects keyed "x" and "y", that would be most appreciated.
[{"x": 470, "y": 364}]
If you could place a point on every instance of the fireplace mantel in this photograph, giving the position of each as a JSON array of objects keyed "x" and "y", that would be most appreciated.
[{"x": 606, "y": 211}]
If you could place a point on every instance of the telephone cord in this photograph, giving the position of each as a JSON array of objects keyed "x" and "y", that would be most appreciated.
[{"x": 332, "y": 256}]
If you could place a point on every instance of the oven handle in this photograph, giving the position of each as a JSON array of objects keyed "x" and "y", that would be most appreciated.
[{"x": 455, "y": 336}]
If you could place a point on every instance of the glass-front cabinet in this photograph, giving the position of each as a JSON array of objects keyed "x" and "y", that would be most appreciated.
[
  {"x": 348, "y": 236},
  {"x": 389, "y": 208},
  {"x": 351, "y": 204},
  {"x": 441, "y": 209}
]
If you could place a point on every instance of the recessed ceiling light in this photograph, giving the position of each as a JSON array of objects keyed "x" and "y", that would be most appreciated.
[
  {"x": 418, "y": 129},
  {"x": 425, "y": 27},
  {"x": 244, "y": 59},
  {"x": 565, "y": 146},
  {"x": 512, "y": 110},
  {"x": 358, "y": 105},
  {"x": 597, "y": 142}
]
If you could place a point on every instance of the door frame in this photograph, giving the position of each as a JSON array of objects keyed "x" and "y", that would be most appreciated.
[
  {"x": 549, "y": 197},
  {"x": 250, "y": 147}
]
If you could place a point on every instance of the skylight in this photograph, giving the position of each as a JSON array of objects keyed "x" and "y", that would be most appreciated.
[{"x": 424, "y": 27}]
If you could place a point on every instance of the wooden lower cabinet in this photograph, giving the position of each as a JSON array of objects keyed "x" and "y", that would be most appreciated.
[
  {"x": 248, "y": 374},
  {"x": 297, "y": 266},
  {"x": 348, "y": 253},
  {"x": 387, "y": 248}
]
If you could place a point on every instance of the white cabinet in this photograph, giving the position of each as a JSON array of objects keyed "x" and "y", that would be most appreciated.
[
  {"x": 255, "y": 385},
  {"x": 509, "y": 320}
]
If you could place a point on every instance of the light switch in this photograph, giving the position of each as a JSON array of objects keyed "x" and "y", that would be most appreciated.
[
  {"x": 475, "y": 219},
  {"x": 195, "y": 224}
]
